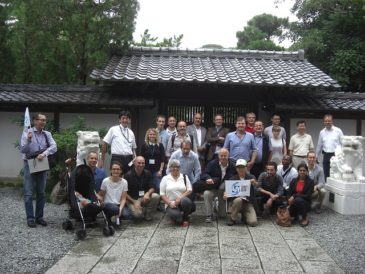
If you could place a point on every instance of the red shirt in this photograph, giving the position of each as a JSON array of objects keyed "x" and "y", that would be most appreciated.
[
  {"x": 249, "y": 129},
  {"x": 300, "y": 187}
]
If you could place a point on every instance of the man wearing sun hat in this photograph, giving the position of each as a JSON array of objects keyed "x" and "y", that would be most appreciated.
[{"x": 243, "y": 205}]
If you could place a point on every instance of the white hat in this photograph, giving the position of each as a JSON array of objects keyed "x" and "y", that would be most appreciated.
[{"x": 241, "y": 162}]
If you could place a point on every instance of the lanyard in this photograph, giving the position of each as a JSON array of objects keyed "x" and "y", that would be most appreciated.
[
  {"x": 125, "y": 137},
  {"x": 36, "y": 138}
]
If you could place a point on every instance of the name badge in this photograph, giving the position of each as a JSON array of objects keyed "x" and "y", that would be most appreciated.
[
  {"x": 151, "y": 161},
  {"x": 141, "y": 193}
]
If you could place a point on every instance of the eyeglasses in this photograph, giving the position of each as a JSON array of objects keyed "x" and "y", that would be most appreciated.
[
  {"x": 175, "y": 167},
  {"x": 42, "y": 120}
]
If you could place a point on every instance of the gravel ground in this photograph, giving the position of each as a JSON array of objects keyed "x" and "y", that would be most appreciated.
[
  {"x": 29, "y": 250},
  {"x": 342, "y": 237}
]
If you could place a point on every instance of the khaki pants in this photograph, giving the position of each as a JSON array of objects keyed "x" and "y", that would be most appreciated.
[
  {"x": 247, "y": 210},
  {"x": 317, "y": 197},
  {"x": 147, "y": 208},
  {"x": 297, "y": 160},
  {"x": 208, "y": 201}
]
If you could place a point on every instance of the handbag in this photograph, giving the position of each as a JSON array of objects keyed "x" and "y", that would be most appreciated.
[
  {"x": 283, "y": 217},
  {"x": 35, "y": 165}
]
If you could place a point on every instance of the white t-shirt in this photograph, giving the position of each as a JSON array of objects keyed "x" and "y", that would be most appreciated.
[
  {"x": 276, "y": 147},
  {"x": 121, "y": 139},
  {"x": 113, "y": 190},
  {"x": 174, "y": 188}
]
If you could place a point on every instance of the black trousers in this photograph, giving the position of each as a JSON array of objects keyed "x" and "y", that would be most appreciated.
[
  {"x": 124, "y": 160},
  {"x": 326, "y": 164},
  {"x": 300, "y": 206}
]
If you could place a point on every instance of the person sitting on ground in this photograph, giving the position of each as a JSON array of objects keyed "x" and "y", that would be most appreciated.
[
  {"x": 300, "y": 193},
  {"x": 99, "y": 173},
  {"x": 243, "y": 205},
  {"x": 316, "y": 173},
  {"x": 113, "y": 194},
  {"x": 287, "y": 172},
  {"x": 175, "y": 189},
  {"x": 270, "y": 189},
  {"x": 141, "y": 197},
  {"x": 211, "y": 183}
]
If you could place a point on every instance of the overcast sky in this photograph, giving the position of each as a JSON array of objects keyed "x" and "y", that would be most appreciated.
[{"x": 203, "y": 21}]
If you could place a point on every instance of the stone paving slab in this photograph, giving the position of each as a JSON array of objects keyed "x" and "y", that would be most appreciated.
[{"x": 159, "y": 247}]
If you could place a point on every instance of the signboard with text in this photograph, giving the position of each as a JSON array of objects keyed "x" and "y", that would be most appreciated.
[{"x": 238, "y": 188}]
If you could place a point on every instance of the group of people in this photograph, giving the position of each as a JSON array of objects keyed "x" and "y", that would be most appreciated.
[{"x": 178, "y": 163}]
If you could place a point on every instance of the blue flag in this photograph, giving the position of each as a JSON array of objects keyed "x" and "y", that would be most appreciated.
[{"x": 26, "y": 119}]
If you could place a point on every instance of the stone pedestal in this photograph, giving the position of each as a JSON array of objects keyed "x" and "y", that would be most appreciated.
[{"x": 347, "y": 198}]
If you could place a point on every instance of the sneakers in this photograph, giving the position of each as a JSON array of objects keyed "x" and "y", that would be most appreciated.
[
  {"x": 229, "y": 220},
  {"x": 41, "y": 222},
  {"x": 31, "y": 223},
  {"x": 209, "y": 219}
]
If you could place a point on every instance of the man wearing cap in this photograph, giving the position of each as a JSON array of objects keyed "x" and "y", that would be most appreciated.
[
  {"x": 211, "y": 183},
  {"x": 122, "y": 141},
  {"x": 243, "y": 205},
  {"x": 270, "y": 188}
]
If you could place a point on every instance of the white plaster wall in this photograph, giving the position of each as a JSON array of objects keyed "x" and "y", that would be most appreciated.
[{"x": 10, "y": 161}]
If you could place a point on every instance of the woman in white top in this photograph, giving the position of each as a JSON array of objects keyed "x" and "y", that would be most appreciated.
[
  {"x": 277, "y": 146},
  {"x": 113, "y": 194},
  {"x": 174, "y": 191}
]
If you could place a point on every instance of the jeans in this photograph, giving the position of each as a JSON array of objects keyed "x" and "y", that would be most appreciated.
[
  {"x": 156, "y": 182},
  {"x": 113, "y": 210},
  {"x": 33, "y": 181}
]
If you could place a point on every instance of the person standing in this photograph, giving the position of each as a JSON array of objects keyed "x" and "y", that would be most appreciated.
[
  {"x": 300, "y": 144},
  {"x": 170, "y": 130},
  {"x": 275, "y": 121},
  {"x": 175, "y": 140},
  {"x": 263, "y": 150},
  {"x": 277, "y": 146},
  {"x": 199, "y": 137},
  {"x": 250, "y": 119},
  {"x": 122, "y": 141},
  {"x": 39, "y": 143},
  {"x": 215, "y": 138},
  {"x": 160, "y": 127},
  {"x": 329, "y": 139},
  {"x": 241, "y": 144},
  {"x": 154, "y": 154}
]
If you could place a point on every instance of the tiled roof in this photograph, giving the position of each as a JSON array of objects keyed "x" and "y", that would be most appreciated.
[
  {"x": 66, "y": 95},
  {"x": 330, "y": 101},
  {"x": 243, "y": 67}
]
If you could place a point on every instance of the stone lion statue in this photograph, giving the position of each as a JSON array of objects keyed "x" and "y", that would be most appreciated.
[
  {"x": 347, "y": 164},
  {"x": 87, "y": 141}
]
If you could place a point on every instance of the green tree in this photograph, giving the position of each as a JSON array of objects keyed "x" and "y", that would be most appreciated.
[
  {"x": 62, "y": 41},
  {"x": 147, "y": 40},
  {"x": 332, "y": 33},
  {"x": 6, "y": 56},
  {"x": 261, "y": 31}
]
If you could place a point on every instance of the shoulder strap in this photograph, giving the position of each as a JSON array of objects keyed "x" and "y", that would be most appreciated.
[
  {"x": 45, "y": 136},
  {"x": 191, "y": 140},
  {"x": 172, "y": 140},
  {"x": 184, "y": 179},
  {"x": 286, "y": 172}
]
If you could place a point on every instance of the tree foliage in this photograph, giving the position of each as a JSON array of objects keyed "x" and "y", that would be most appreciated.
[
  {"x": 333, "y": 36},
  {"x": 147, "y": 40},
  {"x": 62, "y": 41},
  {"x": 261, "y": 31}
]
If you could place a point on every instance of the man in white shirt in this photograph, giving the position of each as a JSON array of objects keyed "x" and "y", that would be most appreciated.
[
  {"x": 287, "y": 172},
  {"x": 199, "y": 135},
  {"x": 300, "y": 144},
  {"x": 122, "y": 141},
  {"x": 329, "y": 139}
]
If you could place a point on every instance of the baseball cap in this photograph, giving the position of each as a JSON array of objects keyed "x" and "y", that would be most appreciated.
[{"x": 241, "y": 162}]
